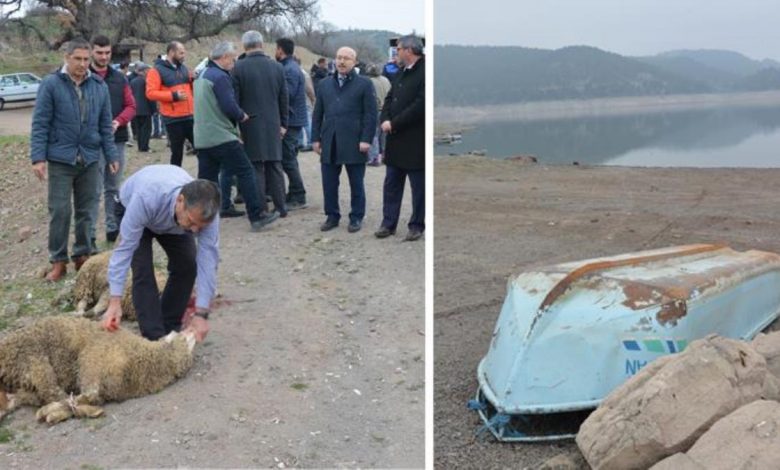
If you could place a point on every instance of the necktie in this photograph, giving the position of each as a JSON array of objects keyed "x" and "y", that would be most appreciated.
[{"x": 341, "y": 80}]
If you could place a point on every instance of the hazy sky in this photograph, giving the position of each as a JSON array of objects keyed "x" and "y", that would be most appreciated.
[
  {"x": 628, "y": 27},
  {"x": 401, "y": 16}
]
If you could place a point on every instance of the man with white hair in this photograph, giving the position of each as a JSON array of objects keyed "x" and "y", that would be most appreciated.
[
  {"x": 216, "y": 133},
  {"x": 261, "y": 92},
  {"x": 343, "y": 126}
]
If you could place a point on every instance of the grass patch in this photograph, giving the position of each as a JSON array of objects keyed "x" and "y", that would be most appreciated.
[
  {"x": 6, "y": 435},
  {"x": 299, "y": 386},
  {"x": 14, "y": 139}
]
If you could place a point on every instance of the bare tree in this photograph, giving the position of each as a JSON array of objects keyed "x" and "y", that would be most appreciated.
[{"x": 152, "y": 20}]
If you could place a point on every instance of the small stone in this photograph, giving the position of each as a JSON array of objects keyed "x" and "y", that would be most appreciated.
[{"x": 24, "y": 233}]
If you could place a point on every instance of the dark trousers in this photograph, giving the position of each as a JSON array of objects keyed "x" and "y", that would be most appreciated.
[
  {"x": 178, "y": 131},
  {"x": 142, "y": 129},
  {"x": 68, "y": 183},
  {"x": 159, "y": 315},
  {"x": 393, "y": 193},
  {"x": 232, "y": 157},
  {"x": 331, "y": 174},
  {"x": 295, "y": 192},
  {"x": 270, "y": 181}
]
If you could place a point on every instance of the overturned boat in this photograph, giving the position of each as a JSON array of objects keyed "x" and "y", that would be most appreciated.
[{"x": 569, "y": 334}]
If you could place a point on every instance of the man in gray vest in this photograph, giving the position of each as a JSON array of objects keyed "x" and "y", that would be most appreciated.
[
  {"x": 216, "y": 133},
  {"x": 123, "y": 111}
]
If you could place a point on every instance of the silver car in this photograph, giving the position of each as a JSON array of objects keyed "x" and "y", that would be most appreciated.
[{"x": 18, "y": 87}]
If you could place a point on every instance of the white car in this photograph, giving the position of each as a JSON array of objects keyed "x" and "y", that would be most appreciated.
[{"x": 18, "y": 87}]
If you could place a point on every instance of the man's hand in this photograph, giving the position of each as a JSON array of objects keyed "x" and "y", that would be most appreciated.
[
  {"x": 113, "y": 316},
  {"x": 39, "y": 170},
  {"x": 387, "y": 127},
  {"x": 114, "y": 125},
  {"x": 282, "y": 132},
  {"x": 316, "y": 147},
  {"x": 364, "y": 147},
  {"x": 113, "y": 167},
  {"x": 179, "y": 95},
  {"x": 200, "y": 326}
]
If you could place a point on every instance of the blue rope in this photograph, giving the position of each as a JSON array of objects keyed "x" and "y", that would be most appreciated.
[{"x": 497, "y": 422}]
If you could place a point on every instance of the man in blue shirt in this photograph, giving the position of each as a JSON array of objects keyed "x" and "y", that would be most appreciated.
[{"x": 163, "y": 202}]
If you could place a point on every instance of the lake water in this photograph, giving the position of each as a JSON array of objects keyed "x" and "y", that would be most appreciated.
[{"x": 732, "y": 137}]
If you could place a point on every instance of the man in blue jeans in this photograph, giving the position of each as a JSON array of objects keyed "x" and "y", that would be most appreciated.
[
  {"x": 216, "y": 134},
  {"x": 296, "y": 88},
  {"x": 71, "y": 126}
]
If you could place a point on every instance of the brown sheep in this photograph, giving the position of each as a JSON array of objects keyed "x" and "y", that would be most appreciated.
[
  {"x": 69, "y": 366},
  {"x": 91, "y": 293}
]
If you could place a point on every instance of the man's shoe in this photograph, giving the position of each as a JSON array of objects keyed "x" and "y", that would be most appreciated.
[
  {"x": 231, "y": 212},
  {"x": 112, "y": 236},
  {"x": 354, "y": 226},
  {"x": 79, "y": 261},
  {"x": 239, "y": 199},
  {"x": 296, "y": 205},
  {"x": 329, "y": 224},
  {"x": 413, "y": 234},
  {"x": 263, "y": 222},
  {"x": 58, "y": 269},
  {"x": 384, "y": 232}
]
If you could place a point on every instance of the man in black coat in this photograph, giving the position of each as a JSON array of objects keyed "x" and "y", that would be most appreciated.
[
  {"x": 403, "y": 119},
  {"x": 262, "y": 93},
  {"x": 144, "y": 108},
  {"x": 343, "y": 127}
]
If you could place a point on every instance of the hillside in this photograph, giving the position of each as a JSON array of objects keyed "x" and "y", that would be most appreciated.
[{"x": 472, "y": 76}]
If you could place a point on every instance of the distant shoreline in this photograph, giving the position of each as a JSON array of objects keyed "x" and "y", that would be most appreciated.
[{"x": 549, "y": 110}]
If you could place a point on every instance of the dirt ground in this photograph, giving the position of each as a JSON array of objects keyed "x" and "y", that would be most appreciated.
[
  {"x": 497, "y": 218},
  {"x": 316, "y": 361},
  {"x": 15, "y": 118}
]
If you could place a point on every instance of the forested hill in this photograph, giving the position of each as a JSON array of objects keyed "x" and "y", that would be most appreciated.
[{"x": 482, "y": 75}]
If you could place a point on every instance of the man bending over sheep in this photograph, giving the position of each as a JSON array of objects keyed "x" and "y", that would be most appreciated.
[{"x": 163, "y": 202}]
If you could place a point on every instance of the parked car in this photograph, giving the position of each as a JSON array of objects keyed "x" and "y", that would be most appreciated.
[{"x": 18, "y": 87}]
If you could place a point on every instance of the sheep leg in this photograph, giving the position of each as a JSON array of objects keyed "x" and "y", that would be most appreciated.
[
  {"x": 84, "y": 404},
  {"x": 81, "y": 308},
  {"x": 54, "y": 412},
  {"x": 42, "y": 379},
  {"x": 102, "y": 303}
]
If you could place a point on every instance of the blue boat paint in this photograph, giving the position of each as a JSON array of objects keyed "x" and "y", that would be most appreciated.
[{"x": 566, "y": 352}]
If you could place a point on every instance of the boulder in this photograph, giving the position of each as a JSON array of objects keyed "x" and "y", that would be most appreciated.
[
  {"x": 768, "y": 345},
  {"x": 747, "y": 438},
  {"x": 668, "y": 405},
  {"x": 563, "y": 462}
]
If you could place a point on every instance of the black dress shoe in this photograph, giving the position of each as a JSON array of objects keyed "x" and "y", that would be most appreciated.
[
  {"x": 354, "y": 226},
  {"x": 329, "y": 224},
  {"x": 384, "y": 232},
  {"x": 232, "y": 212},
  {"x": 413, "y": 234},
  {"x": 296, "y": 205}
]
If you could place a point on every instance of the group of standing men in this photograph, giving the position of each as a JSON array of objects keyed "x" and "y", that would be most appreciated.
[{"x": 244, "y": 117}]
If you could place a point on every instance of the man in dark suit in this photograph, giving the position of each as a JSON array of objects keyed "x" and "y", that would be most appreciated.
[
  {"x": 343, "y": 126},
  {"x": 403, "y": 119},
  {"x": 144, "y": 108},
  {"x": 261, "y": 91}
]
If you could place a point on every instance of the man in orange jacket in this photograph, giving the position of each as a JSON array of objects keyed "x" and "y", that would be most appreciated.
[{"x": 170, "y": 84}]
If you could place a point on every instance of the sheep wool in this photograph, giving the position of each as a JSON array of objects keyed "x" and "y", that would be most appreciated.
[
  {"x": 70, "y": 365},
  {"x": 91, "y": 293}
]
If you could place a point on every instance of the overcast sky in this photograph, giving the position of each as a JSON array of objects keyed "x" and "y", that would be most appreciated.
[
  {"x": 400, "y": 16},
  {"x": 628, "y": 27}
]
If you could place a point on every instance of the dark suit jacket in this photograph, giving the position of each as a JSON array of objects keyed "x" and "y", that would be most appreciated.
[
  {"x": 405, "y": 109},
  {"x": 261, "y": 92},
  {"x": 346, "y": 116}
]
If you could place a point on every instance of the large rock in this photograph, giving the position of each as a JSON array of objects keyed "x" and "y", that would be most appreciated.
[
  {"x": 768, "y": 345},
  {"x": 747, "y": 438},
  {"x": 668, "y": 405}
]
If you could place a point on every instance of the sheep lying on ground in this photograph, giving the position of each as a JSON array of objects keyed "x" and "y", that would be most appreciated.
[
  {"x": 68, "y": 366},
  {"x": 91, "y": 294}
]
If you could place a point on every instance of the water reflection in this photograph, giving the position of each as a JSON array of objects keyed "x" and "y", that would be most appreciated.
[{"x": 748, "y": 137}]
